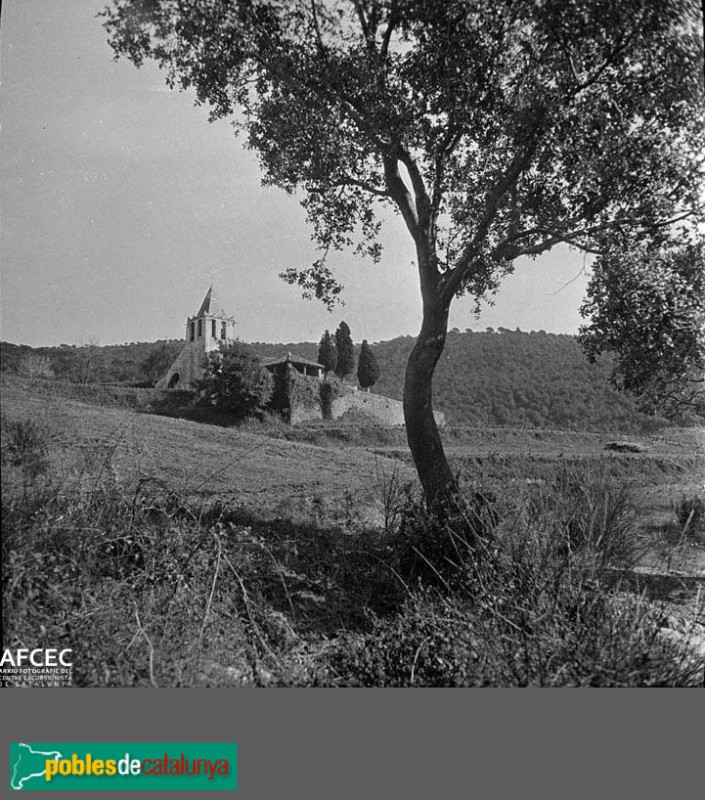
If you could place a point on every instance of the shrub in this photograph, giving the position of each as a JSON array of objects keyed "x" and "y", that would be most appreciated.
[
  {"x": 34, "y": 365},
  {"x": 435, "y": 547},
  {"x": 302, "y": 390},
  {"x": 587, "y": 517},
  {"x": 24, "y": 445},
  {"x": 236, "y": 380},
  {"x": 523, "y": 606},
  {"x": 517, "y": 633}
]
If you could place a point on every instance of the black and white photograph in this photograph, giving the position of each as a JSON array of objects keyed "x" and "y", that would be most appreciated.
[{"x": 352, "y": 344}]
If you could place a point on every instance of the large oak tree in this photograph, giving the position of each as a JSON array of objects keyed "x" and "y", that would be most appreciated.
[{"x": 495, "y": 128}]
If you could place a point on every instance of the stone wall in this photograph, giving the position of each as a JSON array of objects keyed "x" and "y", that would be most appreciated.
[
  {"x": 383, "y": 410},
  {"x": 380, "y": 409},
  {"x": 299, "y": 413},
  {"x": 190, "y": 366},
  {"x": 375, "y": 407}
]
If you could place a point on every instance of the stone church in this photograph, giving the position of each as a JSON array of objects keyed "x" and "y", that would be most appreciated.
[
  {"x": 211, "y": 326},
  {"x": 205, "y": 331}
]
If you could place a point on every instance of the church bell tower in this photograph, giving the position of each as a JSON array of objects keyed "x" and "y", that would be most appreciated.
[{"x": 205, "y": 331}]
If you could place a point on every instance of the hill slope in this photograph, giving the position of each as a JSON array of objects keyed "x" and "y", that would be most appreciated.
[
  {"x": 508, "y": 378},
  {"x": 505, "y": 378}
]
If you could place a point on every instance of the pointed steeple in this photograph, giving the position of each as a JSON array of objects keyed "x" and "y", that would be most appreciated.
[
  {"x": 211, "y": 305},
  {"x": 211, "y": 327}
]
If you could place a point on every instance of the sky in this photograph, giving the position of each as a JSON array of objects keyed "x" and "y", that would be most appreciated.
[{"x": 121, "y": 204}]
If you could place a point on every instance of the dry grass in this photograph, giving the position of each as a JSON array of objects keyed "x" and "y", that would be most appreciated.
[{"x": 169, "y": 553}]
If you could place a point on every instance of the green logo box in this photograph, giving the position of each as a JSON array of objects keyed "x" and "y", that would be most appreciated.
[{"x": 123, "y": 766}]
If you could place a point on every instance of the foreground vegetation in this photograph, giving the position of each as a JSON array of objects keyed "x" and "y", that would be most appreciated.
[{"x": 151, "y": 583}]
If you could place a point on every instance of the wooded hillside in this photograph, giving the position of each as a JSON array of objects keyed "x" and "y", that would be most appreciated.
[{"x": 503, "y": 377}]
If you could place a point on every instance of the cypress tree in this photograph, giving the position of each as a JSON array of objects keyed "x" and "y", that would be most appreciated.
[
  {"x": 367, "y": 367},
  {"x": 327, "y": 354},
  {"x": 346, "y": 351}
]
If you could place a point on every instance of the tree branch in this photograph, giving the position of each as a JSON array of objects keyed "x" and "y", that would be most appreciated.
[
  {"x": 367, "y": 31},
  {"x": 423, "y": 203},
  {"x": 317, "y": 29},
  {"x": 449, "y": 142},
  {"x": 586, "y": 83},
  {"x": 400, "y": 194},
  {"x": 386, "y": 38},
  {"x": 347, "y": 180},
  {"x": 455, "y": 278},
  {"x": 508, "y": 249}
]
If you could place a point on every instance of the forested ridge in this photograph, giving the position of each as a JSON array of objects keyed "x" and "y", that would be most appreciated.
[
  {"x": 511, "y": 378},
  {"x": 504, "y": 377}
]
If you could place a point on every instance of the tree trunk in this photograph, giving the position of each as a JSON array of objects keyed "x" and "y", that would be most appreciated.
[{"x": 439, "y": 484}]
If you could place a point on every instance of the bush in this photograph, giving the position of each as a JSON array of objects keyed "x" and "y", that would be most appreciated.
[
  {"x": 435, "y": 548},
  {"x": 528, "y": 604},
  {"x": 34, "y": 365},
  {"x": 302, "y": 390},
  {"x": 588, "y": 517},
  {"x": 236, "y": 381},
  {"x": 518, "y": 633},
  {"x": 24, "y": 445}
]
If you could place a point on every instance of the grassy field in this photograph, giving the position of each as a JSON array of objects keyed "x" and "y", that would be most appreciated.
[{"x": 169, "y": 552}]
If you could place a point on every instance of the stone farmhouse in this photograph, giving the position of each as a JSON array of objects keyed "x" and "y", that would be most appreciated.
[{"x": 212, "y": 325}]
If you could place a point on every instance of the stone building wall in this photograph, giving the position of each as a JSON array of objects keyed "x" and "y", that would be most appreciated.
[
  {"x": 189, "y": 365},
  {"x": 299, "y": 413},
  {"x": 377, "y": 408},
  {"x": 383, "y": 410}
]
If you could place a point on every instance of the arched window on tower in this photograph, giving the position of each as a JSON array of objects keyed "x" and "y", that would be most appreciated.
[
  {"x": 223, "y": 330},
  {"x": 200, "y": 328},
  {"x": 192, "y": 331},
  {"x": 213, "y": 333}
]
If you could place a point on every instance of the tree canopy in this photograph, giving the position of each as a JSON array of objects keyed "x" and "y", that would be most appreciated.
[
  {"x": 494, "y": 128},
  {"x": 236, "y": 380},
  {"x": 646, "y": 304},
  {"x": 367, "y": 366},
  {"x": 345, "y": 350},
  {"x": 327, "y": 354}
]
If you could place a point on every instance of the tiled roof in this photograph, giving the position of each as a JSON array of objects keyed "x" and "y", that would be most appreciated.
[
  {"x": 291, "y": 359},
  {"x": 211, "y": 306}
]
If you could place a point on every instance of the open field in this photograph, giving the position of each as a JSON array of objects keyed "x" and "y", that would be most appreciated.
[{"x": 171, "y": 552}]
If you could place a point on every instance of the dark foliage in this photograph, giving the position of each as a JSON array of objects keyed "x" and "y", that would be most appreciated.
[
  {"x": 159, "y": 360},
  {"x": 514, "y": 379},
  {"x": 133, "y": 363},
  {"x": 236, "y": 380},
  {"x": 327, "y": 353},
  {"x": 345, "y": 350},
  {"x": 367, "y": 367},
  {"x": 646, "y": 304}
]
